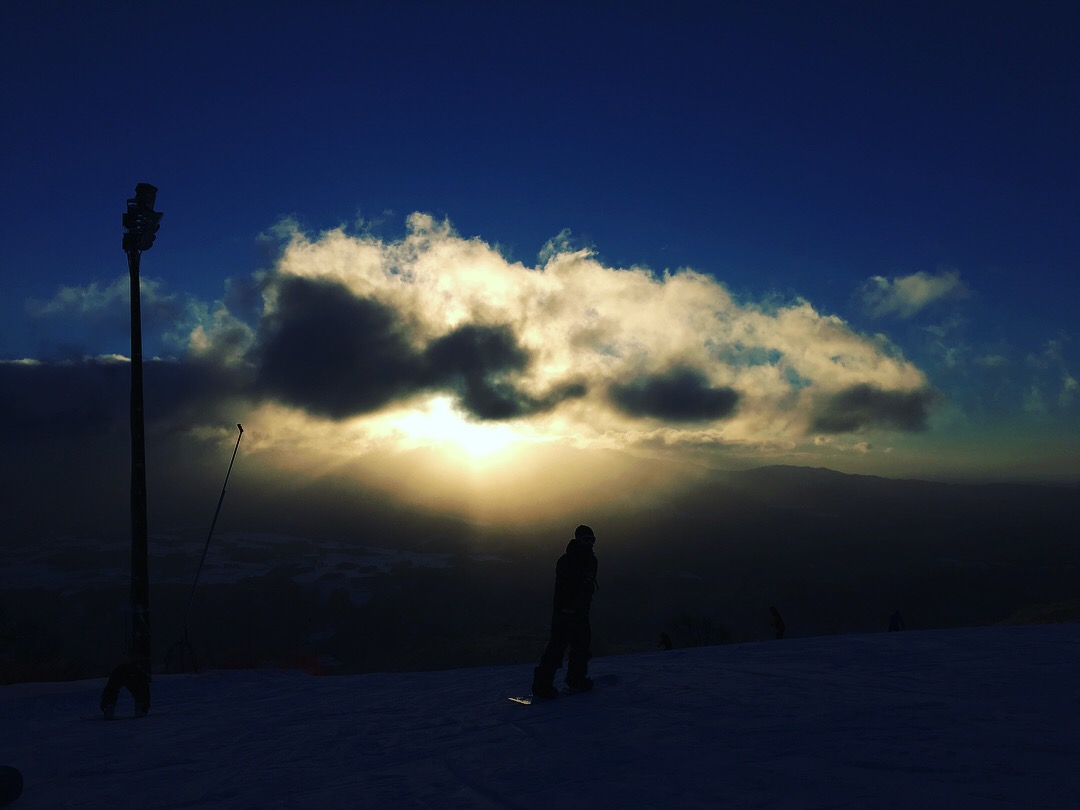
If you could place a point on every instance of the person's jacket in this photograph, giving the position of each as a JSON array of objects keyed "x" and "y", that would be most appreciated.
[{"x": 575, "y": 579}]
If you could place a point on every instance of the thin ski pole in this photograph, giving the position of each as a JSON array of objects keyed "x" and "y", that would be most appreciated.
[{"x": 213, "y": 523}]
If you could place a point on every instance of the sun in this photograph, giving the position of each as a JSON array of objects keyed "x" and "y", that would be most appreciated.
[{"x": 437, "y": 423}]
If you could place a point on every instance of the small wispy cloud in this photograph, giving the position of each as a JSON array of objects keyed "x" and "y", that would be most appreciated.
[
  {"x": 993, "y": 361},
  {"x": 1069, "y": 388},
  {"x": 104, "y": 299},
  {"x": 905, "y": 296},
  {"x": 90, "y": 299},
  {"x": 1051, "y": 372},
  {"x": 1034, "y": 402},
  {"x": 182, "y": 322}
]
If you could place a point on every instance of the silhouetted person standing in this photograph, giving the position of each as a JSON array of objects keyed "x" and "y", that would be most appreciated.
[
  {"x": 575, "y": 582},
  {"x": 896, "y": 622},
  {"x": 778, "y": 622},
  {"x": 665, "y": 642}
]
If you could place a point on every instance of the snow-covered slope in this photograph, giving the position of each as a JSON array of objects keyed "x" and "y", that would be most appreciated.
[{"x": 986, "y": 718}]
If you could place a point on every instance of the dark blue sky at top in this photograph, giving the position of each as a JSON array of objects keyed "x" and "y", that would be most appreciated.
[{"x": 787, "y": 148}]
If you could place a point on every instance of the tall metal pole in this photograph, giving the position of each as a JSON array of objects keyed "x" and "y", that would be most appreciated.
[
  {"x": 141, "y": 223},
  {"x": 140, "y": 564}
]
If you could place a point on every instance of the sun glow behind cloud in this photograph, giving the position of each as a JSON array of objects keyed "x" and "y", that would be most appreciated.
[{"x": 437, "y": 424}]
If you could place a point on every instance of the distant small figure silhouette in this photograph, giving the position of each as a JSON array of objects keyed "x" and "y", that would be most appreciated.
[
  {"x": 665, "y": 642},
  {"x": 896, "y": 622},
  {"x": 575, "y": 582},
  {"x": 777, "y": 622}
]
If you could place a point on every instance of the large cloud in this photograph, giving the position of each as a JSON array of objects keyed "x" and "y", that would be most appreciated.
[{"x": 354, "y": 326}]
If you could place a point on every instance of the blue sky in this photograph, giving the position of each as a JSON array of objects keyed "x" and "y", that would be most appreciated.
[{"x": 900, "y": 176}]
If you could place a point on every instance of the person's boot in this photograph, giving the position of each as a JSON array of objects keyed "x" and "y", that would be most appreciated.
[{"x": 542, "y": 686}]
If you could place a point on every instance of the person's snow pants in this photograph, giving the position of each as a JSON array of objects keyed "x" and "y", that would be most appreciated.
[{"x": 567, "y": 630}]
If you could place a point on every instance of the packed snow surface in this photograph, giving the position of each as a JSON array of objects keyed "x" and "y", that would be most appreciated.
[{"x": 973, "y": 718}]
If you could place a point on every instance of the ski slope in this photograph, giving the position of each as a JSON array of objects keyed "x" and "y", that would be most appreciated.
[{"x": 971, "y": 718}]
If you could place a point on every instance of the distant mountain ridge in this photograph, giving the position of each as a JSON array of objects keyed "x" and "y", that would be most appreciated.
[{"x": 836, "y": 553}]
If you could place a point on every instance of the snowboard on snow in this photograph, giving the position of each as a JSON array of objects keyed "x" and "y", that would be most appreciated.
[
  {"x": 601, "y": 682},
  {"x": 11, "y": 784}
]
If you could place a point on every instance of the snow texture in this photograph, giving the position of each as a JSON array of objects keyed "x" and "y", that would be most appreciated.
[{"x": 973, "y": 718}]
